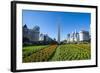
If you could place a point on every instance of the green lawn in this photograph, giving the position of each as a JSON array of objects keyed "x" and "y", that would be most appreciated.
[
  {"x": 27, "y": 51},
  {"x": 41, "y": 55}
]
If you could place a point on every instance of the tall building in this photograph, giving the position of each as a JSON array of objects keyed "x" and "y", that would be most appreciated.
[
  {"x": 84, "y": 35},
  {"x": 72, "y": 37},
  {"x": 31, "y": 34},
  {"x": 68, "y": 38},
  {"x": 41, "y": 38},
  {"x": 45, "y": 37},
  {"x": 25, "y": 31},
  {"x": 76, "y": 37}
]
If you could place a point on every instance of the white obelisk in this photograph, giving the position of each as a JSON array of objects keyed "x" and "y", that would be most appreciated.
[{"x": 58, "y": 33}]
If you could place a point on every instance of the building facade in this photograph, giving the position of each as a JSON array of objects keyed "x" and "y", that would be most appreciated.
[
  {"x": 84, "y": 35},
  {"x": 31, "y": 34},
  {"x": 45, "y": 37},
  {"x": 78, "y": 36}
]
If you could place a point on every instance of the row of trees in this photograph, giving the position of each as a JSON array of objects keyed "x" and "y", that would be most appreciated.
[{"x": 27, "y": 42}]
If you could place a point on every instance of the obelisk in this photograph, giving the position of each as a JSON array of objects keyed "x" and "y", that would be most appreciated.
[{"x": 58, "y": 33}]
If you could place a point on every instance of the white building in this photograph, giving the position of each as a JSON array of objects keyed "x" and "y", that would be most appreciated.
[
  {"x": 75, "y": 36},
  {"x": 41, "y": 38},
  {"x": 31, "y": 34},
  {"x": 68, "y": 38},
  {"x": 84, "y": 35}
]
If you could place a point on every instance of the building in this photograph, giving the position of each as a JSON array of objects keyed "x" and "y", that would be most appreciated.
[
  {"x": 73, "y": 37},
  {"x": 41, "y": 37},
  {"x": 68, "y": 38},
  {"x": 84, "y": 35},
  {"x": 76, "y": 37},
  {"x": 31, "y": 34},
  {"x": 45, "y": 37}
]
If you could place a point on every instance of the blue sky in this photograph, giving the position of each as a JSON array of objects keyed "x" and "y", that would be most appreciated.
[{"x": 48, "y": 21}]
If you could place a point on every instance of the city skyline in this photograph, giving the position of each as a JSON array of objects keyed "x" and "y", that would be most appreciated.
[{"x": 48, "y": 21}]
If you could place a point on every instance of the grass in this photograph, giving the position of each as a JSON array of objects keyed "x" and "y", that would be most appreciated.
[
  {"x": 72, "y": 52},
  {"x": 27, "y": 51},
  {"x": 56, "y": 53},
  {"x": 42, "y": 55}
]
